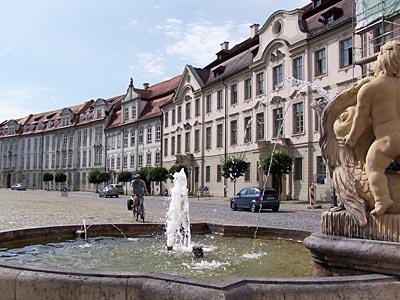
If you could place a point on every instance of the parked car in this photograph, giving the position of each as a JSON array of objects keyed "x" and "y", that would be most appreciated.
[
  {"x": 19, "y": 187},
  {"x": 108, "y": 192},
  {"x": 252, "y": 197},
  {"x": 118, "y": 187}
]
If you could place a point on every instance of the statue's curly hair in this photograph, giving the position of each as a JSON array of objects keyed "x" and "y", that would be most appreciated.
[{"x": 388, "y": 60}]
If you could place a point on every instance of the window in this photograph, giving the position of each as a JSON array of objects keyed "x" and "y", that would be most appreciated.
[
  {"x": 165, "y": 147},
  {"x": 148, "y": 159},
  {"x": 346, "y": 53},
  {"x": 260, "y": 83},
  {"x": 208, "y": 173},
  {"x": 187, "y": 142},
  {"x": 220, "y": 100},
  {"x": 141, "y": 136},
  {"x": 125, "y": 140},
  {"x": 119, "y": 140},
  {"x": 298, "y": 68},
  {"x": 247, "y": 173},
  {"x": 158, "y": 133},
  {"x": 179, "y": 110},
  {"x": 298, "y": 168},
  {"x": 149, "y": 135},
  {"x": 140, "y": 160},
  {"x": 278, "y": 122},
  {"x": 173, "y": 117},
  {"x": 234, "y": 94},
  {"x": 178, "y": 143},
  {"x": 208, "y": 103},
  {"x": 124, "y": 161},
  {"x": 277, "y": 76},
  {"x": 321, "y": 170},
  {"x": 173, "y": 145},
  {"x": 99, "y": 113},
  {"x": 197, "y": 107},
  {"x": 247, "y": 130},
  {"x": 219, "y": 173},
  {"x": 132, "y": 158},
  {"x": 320, "y": 62},
  {"x": 260, "y": 126},
  {"x": 197, "y": 140},
  {"x": 247, "y": 89},
  {"x": 158, "y": 158},
  {"x": 166, "y": 119},
  {"x": 208, "y": 138},
  {"x": 298, "y": 117},
  {"x": 126, "y": 113},
  {"x": 133, "y": 111},
  {"x": 381, "y": 35},
  {"x": 234, "y": 132},
  {"x": 187, "y": 113},
  {"x": 219, "y": 135},
  {"x": 133, "y": 137}
]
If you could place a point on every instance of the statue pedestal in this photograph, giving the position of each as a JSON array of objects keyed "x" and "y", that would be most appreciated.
[
  {"x": 344, "y": 248},
  {"x": 383, "y": 228}
]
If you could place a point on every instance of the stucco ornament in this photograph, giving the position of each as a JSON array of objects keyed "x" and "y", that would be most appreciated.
[{"x": 360, "y": 137}]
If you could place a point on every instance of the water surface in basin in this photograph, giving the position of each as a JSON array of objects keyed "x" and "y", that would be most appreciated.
[{"x": 223, "y": 256}]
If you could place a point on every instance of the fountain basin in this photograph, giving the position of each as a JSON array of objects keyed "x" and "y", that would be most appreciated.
[{"x": 21, "y": 282}]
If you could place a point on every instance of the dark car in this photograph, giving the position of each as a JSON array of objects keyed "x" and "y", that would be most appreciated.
[
  {"x": 108, "y": 192},
  {"x": 253, "y": 198},
  {"x": 19, "y": 187}
]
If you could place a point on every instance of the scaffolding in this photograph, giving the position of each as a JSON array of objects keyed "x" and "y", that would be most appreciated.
[{"x": 374, "y": 23}]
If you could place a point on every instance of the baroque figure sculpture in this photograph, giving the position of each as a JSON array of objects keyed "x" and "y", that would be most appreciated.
[{"x": 361, "y": 136}]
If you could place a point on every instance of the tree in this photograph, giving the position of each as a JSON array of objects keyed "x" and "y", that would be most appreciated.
[
  {"x": 125, "y": 176},
  {"x": 233, "y": 168},
  {"x": 177, "y": 168},
  {"x": 47, "y": 177},
  {"x": 94, "y": 178},
  {"x": 104, "y": 177},
  {"x": 60, "y": 177},
  {"x": 159, "y": 174},
  {"x": 277, "y": 164}
]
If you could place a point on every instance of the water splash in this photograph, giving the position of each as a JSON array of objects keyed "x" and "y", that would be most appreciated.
[{"x": 177, "y": 219}]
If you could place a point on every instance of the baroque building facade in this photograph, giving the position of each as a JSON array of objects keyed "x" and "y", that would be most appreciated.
[{"x": 254, "y": 97}]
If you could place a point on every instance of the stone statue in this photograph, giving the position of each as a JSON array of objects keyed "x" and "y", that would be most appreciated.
[{"x": 361, "y": 136}]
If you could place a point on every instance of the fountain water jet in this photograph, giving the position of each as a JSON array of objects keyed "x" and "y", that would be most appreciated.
[{"x": 177, "y": 220}]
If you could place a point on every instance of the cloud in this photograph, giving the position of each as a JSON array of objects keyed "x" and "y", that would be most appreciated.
[
  {"x": 197, "y": 42},
  {"x": 134, "y": 23},
  {"x": 23, "y": 101},
  {"x": 150, "y": 63},
  {"x": 8, "y": 49}
]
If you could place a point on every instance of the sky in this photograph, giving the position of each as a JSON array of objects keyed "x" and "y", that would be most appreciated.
[{"x": 60, "y": 53}]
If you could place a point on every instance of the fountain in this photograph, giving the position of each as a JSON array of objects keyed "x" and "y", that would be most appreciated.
[{"x": 352, "y": 243}]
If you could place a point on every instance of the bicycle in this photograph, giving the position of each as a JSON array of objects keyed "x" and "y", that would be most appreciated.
[{"x": 138, "y": 210}]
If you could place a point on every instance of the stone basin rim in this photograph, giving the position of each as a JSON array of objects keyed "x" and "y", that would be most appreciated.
[{"x": 229, "y": 230}]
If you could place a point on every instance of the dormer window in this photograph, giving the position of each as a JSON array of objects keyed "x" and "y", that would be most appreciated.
[
  {"x": 65, "y": 121},
  {"x": 317, "y": 3},
  {"x": 99, "y": 113},
  {"x": 219, "y": 71},
  {"x": 331, "y": 15}
]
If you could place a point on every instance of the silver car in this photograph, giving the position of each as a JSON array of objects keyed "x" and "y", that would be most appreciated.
[
  {"x": 19, "y": 187},
  {"x": 118, "y": 187}
]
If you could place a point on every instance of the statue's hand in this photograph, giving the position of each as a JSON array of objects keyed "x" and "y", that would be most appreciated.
[
  {"x": 360, "y": 83},
  {"x": 349, "y": 142}
]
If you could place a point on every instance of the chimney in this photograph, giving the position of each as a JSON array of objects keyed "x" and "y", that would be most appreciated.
[
  {"x": 146, "y": 85},
  {"x": 254, "y": 29},
  {"x": 225, "y": 46}
]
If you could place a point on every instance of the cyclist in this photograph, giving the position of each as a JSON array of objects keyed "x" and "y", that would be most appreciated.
[{"x": 139, "y": 190}]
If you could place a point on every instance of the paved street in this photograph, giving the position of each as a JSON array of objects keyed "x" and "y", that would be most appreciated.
[{"x": 22, "y": 209}]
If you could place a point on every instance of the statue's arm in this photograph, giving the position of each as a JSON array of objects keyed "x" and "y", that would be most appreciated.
[{"x": 361, "y": 118}]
